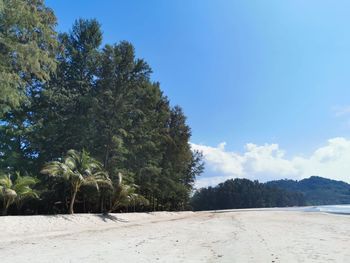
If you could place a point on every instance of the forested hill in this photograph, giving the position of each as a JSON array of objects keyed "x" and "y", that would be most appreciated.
[
  {"x": 317, "y": 190},
  {"x": 243, "y": 193}
]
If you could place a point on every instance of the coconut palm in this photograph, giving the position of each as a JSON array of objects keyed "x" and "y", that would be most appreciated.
[
  {"x": 16, "y": 190},
  {"x": 78, "y": 168},
  {"x": 125, "y": 195}
]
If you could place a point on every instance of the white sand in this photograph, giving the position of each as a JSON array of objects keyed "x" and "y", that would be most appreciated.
[{"x": 238, "y": 236}]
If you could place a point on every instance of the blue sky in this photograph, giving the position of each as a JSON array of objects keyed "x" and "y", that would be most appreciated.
[{"x": 246, "y": 72}]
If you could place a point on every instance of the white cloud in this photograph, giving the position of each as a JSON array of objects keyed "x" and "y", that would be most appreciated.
[
  {"x": 341, "y": 111},
  {"x": 268, "y": 162},
  {"x": 343, "y": 114}
]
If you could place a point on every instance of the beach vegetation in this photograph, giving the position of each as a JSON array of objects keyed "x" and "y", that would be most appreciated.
[
  {"x": 16, "y": 189},
  {"x": 79, "y": 169},
  {"x": 75, "y": 113}
]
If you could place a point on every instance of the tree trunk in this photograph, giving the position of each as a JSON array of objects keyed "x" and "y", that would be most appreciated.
[
  {"x": 71, "y": 205},
  {"x": 102, "y": 205},
  {"x": 106, "y": 157},
  {"x": 5, "y": 207}
]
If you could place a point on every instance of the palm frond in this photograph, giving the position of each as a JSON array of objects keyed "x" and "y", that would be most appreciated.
[
  {"x": 91, "y": 180},
  {"x": 5, "y": 181},
  {"x": 70, "y": 162},
  {"x": 23, "y": 184},
  {"x": 53, "y": 168},
  {"x": 78, "y": 168},
  {"x": 17, "y": 190}
]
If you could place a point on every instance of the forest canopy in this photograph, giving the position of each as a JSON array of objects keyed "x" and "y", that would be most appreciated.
[
  {"x": 244, "y": 193},
  {"x": 82, "y": 125}
]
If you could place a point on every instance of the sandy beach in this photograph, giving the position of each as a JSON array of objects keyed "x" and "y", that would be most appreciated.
[{"x": 225, "y": 236}]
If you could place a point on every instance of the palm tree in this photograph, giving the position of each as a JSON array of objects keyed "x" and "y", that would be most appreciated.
[
  {"x": 78, "y": 168},
  {"x": 16, "y": 191},
  {"x": 125, "y": 195}
]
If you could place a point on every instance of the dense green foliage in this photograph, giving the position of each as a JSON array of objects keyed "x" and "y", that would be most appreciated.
[
  {"x": 27, "y": 42},
  {"x": 65, "y": 91},
  {"x": 16, "y": 190},
  {"x": 317, "y": 190},
  {"x": 78, "y": 169},
  {"x": 243, "y": 193}
]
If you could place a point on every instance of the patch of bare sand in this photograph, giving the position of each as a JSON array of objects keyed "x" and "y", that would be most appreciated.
[{"x": 235, "y": 236}]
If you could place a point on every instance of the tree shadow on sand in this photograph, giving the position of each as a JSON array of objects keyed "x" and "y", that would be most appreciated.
[{"x": 106, "y": 217}]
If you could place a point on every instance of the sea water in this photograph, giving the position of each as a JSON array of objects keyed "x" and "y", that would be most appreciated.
[{"x": 334, "y": 209}]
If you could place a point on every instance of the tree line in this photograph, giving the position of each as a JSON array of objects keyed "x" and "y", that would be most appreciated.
[
  {"x": 82, "y": 126},
  {"x": 243, "y": 193}
]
